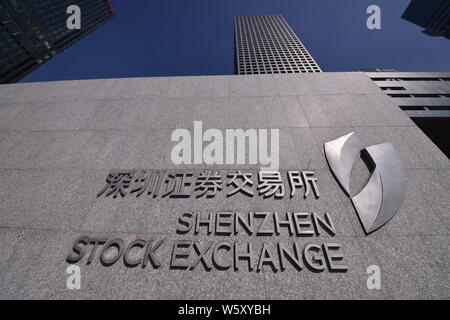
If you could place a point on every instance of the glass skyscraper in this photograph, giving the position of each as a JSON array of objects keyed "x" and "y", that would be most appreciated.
[
  {"x": 434, "y": 16},
  {"x": 31, "y": 32},
  {"x": 266, "y": 44}
]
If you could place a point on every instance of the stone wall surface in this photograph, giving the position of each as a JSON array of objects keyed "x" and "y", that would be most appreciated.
[{"x": 59, "y": 141}]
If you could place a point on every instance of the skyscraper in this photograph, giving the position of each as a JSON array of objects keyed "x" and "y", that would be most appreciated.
[
  {"x": 266, "y": 44},
  {"x": 31, "y": 32},
  {"x": 434, "y": 16}
]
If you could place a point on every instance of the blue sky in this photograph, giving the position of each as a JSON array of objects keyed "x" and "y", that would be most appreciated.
[{"x": 196, "y": 37}]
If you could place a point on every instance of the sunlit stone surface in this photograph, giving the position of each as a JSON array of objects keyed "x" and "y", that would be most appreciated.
[{"x": 59, "y": 141}]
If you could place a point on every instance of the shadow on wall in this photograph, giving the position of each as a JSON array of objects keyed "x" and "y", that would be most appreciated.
[{"x": 438, "y": 130}]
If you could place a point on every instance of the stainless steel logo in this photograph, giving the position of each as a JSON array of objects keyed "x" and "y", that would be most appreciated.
[{"x": 385, "y": 190}]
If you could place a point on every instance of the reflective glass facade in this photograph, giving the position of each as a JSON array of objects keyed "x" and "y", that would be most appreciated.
[{"x": 31, "y": 32}]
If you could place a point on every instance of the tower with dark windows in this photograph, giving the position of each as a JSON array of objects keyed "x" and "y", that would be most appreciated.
[
  {"x": 32, "y": 32},
  {"x": 266, "y": 44},
  {"x": 433, "y": 16}
]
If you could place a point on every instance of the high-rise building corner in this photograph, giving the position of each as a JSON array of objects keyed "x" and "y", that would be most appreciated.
[{"x": 32, "y": 32}]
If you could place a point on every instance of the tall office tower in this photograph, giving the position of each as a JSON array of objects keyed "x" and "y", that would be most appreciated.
[
  {"x": 266, "y": 44},
  {"x": 31, "y": 32},
  {"x": 433, "y": 15}
]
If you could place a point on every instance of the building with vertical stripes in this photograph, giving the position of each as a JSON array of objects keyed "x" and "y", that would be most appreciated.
[{"x": 266, "y": 44}]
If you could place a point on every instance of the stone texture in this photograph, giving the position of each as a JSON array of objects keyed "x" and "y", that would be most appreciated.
[{"x": 59, "y": 141}]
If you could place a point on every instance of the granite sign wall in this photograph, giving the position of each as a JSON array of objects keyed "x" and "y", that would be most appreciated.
[{"x": 89, "y": 186}]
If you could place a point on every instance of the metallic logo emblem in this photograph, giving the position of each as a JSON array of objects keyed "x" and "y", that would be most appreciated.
[{"x": 385, "y": 190}]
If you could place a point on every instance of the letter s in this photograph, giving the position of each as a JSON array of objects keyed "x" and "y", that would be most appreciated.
[{"x": 78, "y": 251}]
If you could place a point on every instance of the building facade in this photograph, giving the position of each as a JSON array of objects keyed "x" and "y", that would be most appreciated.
[
  {"x": 434, "y": 16},
  {"x": 266, "y": 44},
  {"x": 424, "y": 97},
  {"x": 60, "y": 141},
  {"x": 89, "y": 181},
  {"x": 32, "y": 32}
]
